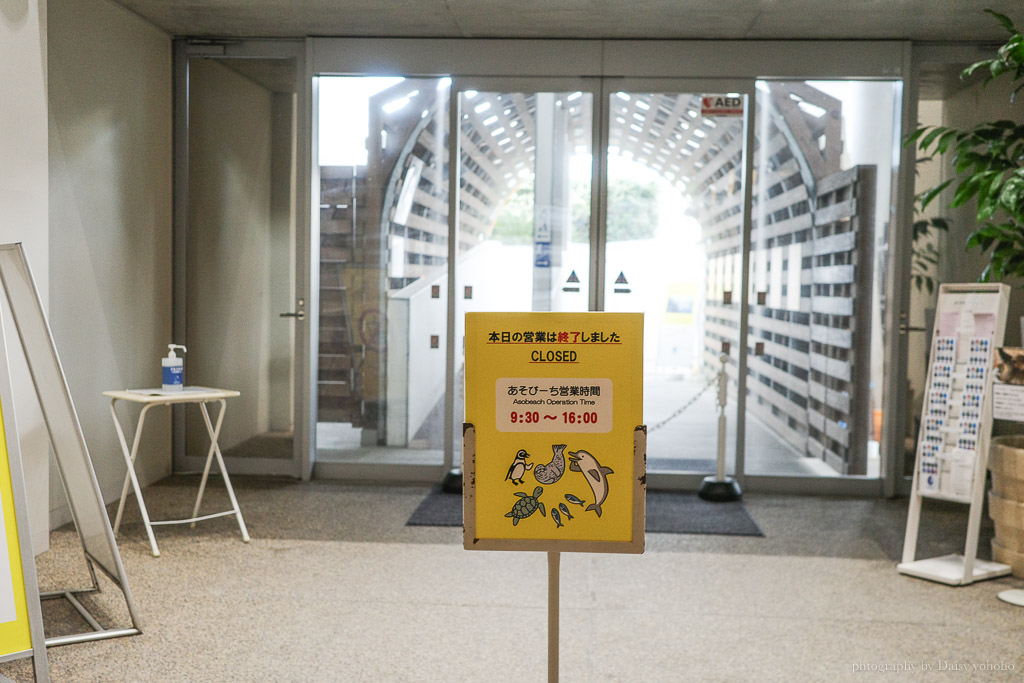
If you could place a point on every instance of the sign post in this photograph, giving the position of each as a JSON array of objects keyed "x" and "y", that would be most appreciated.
[{"x": 554, "y": 447}]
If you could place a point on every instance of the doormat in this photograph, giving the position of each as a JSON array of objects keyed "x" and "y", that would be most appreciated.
[
  {"x": 668, "y": 512},
  {"x": 672, "y": 512},
  {"x": 438, "y": 509},
  {"x": 706, "y": 466}
]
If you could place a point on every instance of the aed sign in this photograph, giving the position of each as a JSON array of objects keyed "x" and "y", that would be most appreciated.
[
  {"x": 721, "y": 105},
  {"x": 554, "y": 443}
]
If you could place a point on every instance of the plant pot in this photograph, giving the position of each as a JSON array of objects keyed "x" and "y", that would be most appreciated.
[
  {"x": 1006, "y": 556},
  {"x": 1006, "y": 461},
  {"x": 1008, "y": 513},
  {"x": 1010, "y": 537}
]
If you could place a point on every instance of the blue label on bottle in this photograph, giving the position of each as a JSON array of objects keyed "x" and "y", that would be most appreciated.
[{"x": 174, "y": 375}]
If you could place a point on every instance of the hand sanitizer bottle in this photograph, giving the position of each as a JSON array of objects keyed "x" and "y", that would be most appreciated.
[{"x": 173, "y": 369}]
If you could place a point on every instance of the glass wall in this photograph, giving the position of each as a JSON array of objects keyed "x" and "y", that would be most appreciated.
[
  {"x": 383, "y": 269},
  {"x": 692, "y": 167},
  {"x": 524, "y": 202},
  {"x": 823, "y": 193},
  {"x": 674, "y": 232}
]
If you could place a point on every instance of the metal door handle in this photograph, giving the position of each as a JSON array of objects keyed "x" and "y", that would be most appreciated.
[
  {"x": 301, "y": 315},
  {"x": 906, "y": 328}
]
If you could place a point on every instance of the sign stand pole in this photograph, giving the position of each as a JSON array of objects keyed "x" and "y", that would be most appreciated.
[{"x": 554, "y": 559}]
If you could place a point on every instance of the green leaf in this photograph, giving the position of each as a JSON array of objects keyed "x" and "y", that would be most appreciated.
[
  {"x": 1004, "y": 250},
  {"x": 1002, "y": 19},
  {"x": 909, "y": 141},
  {"x": 929, "y": 195},
  {"x": 927, "y": 141},
  {"x": 965, "y": 191},
  {"x": 969, "y": 71},
  {"x": 1012, "y": 194},
  {"x": 944, "y": 141},
  {"x": 997, "y": 68}
]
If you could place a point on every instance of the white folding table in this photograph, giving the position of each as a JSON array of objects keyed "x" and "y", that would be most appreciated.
[{"x": 149, "y": 398}]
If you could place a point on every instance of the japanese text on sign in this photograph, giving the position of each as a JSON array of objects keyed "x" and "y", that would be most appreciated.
[{"x": 553, "y": 405}]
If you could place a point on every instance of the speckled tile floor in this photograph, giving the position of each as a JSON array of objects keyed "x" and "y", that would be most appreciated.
[{"x": 335, "y": 587}]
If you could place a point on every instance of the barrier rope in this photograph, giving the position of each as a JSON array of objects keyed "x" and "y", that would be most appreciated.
[{"x": 680, "y": 411}]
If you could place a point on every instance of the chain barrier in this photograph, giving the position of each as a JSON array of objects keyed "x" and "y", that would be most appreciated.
[{"x": 680, "y": 411}]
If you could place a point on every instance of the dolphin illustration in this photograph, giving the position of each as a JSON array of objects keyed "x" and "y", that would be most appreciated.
[{"x": 594, "y": 473}]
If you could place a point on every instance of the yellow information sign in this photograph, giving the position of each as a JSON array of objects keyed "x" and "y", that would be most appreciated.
[
  {"x": 15, "y": 629},
  {"x": 554, "y": 446}
]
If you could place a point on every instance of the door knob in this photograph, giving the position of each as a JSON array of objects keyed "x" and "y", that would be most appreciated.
[{"x": 301, "y": 315}]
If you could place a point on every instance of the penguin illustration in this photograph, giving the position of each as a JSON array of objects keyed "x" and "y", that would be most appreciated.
[{"x": 518, "y": 468}]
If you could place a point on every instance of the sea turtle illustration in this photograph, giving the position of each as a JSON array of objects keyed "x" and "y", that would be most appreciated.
[{"x": 526, "y": 506}]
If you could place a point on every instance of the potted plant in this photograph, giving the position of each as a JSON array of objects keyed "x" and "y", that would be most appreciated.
[{"x": 988, "y": 160}]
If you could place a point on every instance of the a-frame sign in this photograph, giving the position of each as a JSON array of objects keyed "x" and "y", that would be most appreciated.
[{"x": 69, "y": 450}]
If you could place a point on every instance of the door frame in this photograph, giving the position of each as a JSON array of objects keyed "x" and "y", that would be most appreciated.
[{"x": 306, "y": 266}]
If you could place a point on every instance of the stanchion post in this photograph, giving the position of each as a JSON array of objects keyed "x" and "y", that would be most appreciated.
[
  {"x": 553, "y": 568},
  {"x": 721, "y": 488}
]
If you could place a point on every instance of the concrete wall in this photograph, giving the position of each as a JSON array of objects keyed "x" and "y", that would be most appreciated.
[
  {"x": 110, "y": 223},
  {"x": 229, "y": 249},
  {"x": 23, "y": 216}
]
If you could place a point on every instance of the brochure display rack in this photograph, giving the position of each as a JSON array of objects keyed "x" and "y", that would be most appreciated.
[{"x": 956, "y": 422}]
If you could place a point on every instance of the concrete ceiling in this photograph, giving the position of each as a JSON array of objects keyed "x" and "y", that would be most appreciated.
[{"x": 922, "y": 20}]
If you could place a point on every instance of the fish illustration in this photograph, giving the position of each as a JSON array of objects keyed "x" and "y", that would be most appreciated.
[
  {"x": 565, "y": 511},
  {"x": 557, "y": 517},
  {"x": 573, "y": 499},
  {"x": 552, "y": 472},
  {"x": 594, "y": 473},
  {"x": 518, "y": 468}
]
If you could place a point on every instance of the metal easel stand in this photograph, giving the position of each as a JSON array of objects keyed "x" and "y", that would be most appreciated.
[
  {"x": 721, "y": 488},
  {"x": 99, "y": 632}
]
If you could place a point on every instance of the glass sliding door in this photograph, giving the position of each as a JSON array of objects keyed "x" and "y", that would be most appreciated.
[
  {"x": 822, "y": 201},
  {"x": 674, "y": 234},
  {"x": 383, "y": 272},
  {"x": 742, "y": 205},
  {"x": 524, "y": 200},
  {"x": 525, "y": 195}
]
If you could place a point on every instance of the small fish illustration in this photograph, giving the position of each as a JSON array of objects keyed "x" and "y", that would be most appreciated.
[
  {"x": 557, "y": 517},
  {"x": 565, "y": 511},
  {"x": 574, "y": 500}
]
